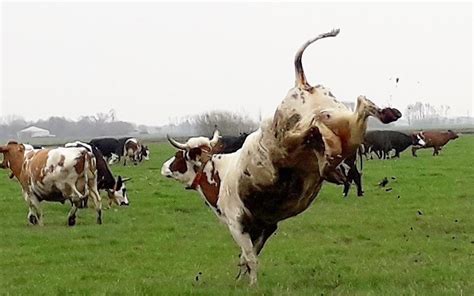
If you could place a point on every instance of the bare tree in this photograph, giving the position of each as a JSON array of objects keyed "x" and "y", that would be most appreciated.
[
  {"x": 228, "y": 123},
  {"x": 425, "y": 113}
]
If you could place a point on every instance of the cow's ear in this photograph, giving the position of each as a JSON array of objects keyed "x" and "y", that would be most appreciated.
[
  {"x": 3, "y": 149},
  {"x": 194, "y": 153}
]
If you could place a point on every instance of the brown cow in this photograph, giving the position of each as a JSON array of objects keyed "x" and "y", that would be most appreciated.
[{"x": 435, "y": 140}]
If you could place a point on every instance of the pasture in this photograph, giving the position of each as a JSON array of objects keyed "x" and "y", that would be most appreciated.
[{"x": 417, "y": 238}]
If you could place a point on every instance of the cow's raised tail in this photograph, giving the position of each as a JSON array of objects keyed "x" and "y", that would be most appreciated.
[{"x": 300, "y": 77}]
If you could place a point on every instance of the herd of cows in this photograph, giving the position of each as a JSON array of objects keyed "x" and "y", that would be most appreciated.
[
  {"x": 251, "y": 182},
  {"x": 75, "y": 172}
]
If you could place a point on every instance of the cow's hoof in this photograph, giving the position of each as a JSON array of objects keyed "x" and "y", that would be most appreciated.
[
  {"x": 243, "y": 270},
  {"x": 71, "y": 221},
  {"x": 33, "y": 220},
  {"x": 99, "y": 220}
]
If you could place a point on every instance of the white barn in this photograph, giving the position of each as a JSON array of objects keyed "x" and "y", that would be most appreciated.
[{"x": 34, "y": 132}]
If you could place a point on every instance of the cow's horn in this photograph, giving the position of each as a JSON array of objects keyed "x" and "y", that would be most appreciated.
[
  {"x": 300, "y": 77},
  {"x": 215, "y": 138},
  {"x": 126, "y": 179},
  {"x": 176, "y": 143}
]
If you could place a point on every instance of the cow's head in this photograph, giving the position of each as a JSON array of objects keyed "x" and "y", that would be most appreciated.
[
  {"x": 189, "y": 158},
  {"x": 417, "y": 139},
  {"x": 13, "y": 157},
  {"x": 452, "y": 135},
  {"x": 144, "y": 153},
  {"x": 118, "y": 194},
  {"x": 366, "y": 108}
]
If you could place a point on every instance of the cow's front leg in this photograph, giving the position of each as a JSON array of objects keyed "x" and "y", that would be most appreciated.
[
  {"x": 248, "y": 257},
  {"x": 71, "y": 217},
  {"x": 35, "y": 215},
  {"x": 243, "y": 269}
]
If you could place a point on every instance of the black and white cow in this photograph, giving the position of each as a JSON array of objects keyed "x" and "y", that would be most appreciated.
[
  {"x": 109, "y": 147},
  {"x": 352, "y": 174},
  {"x": 127, "y": 147}
]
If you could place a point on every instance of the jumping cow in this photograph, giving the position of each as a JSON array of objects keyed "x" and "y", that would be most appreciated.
[
  {"x": 435, "y": 140},
  {"x": 115, "y": 188},
  {"x": 281, "y": 167},
  {"x": 54, "y": 175}
]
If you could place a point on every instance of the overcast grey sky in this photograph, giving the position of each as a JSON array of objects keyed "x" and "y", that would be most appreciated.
[{"x": 156, "y": 61}]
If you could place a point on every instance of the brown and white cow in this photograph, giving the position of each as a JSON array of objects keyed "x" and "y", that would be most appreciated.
[
  {"x": 281, "y": 167},
  {"x": 132, "y": 150},
  {"x": 435, "y": 140},
  {"x": 115, "y": 187},
  {"x": 54, "y": 175}
]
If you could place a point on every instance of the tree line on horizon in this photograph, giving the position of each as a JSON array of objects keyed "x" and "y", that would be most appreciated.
[{"x": 417, "y": 115}]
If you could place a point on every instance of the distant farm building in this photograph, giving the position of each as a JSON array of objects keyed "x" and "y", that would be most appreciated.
[{"x": 34, "y": 132}]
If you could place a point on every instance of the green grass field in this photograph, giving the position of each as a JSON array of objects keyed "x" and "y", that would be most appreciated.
[{"x": 375, "y": 245}]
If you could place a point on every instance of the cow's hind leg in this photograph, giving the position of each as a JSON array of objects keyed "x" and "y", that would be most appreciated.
[
  {"x": 354, "y": 175},
  {"x": 260, "y": 241},
  {"x": 259, "y": 236},
  {"x": 347, "y": 186},
  {"x": 397, "y": 153},
  {"x": 347, "y": 183},
  {"x": 248, "y": 257},
  {"x": 77, "y": 199}
]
